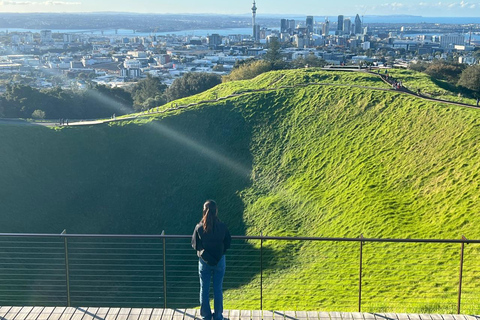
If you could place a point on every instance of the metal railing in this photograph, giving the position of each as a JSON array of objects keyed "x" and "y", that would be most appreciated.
[{"x": 291, "y": 273}]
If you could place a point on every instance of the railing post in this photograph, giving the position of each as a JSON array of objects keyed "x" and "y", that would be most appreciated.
[
  {"x": 360, "y": 275},
  {"x": 461, "y": 276},
  {"x": 164, "y": 273},
  {"x": 67, "y": 269},
  {"x": 261, "y": 271}
]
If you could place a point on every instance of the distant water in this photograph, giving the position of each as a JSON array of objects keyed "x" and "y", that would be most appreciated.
[{"x": 132, "y": 33}]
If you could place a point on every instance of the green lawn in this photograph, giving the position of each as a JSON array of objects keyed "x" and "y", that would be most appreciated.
[{"x": 320, "y": 161}]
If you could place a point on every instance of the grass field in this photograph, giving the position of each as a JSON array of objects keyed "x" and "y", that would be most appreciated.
[{"x": 312, "y": 161}]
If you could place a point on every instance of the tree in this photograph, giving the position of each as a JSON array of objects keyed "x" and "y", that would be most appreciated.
[
  {"x": 445, "y": 71},
  {"x": 38, "y": 114},
  {"x": 470, "y": 79},
  {"x": 248, "y": 70},
  {"x": 150, "y": 89},
  {"x": 311, "y": 60},
  {"x": 274, "y": 56},
  {"x": 273, "y": 52},
  {"x": 192, "y": 83}
]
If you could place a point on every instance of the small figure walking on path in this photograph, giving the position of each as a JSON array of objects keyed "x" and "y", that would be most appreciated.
[{"x": 478, "y": 101}]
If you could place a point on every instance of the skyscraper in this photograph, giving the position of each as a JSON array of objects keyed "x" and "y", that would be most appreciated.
[
  {"x": 340, "y": 24},
  {"x": 326, "y": 27},
  {"x": 309, "y": 24},
  {"x": 283, "y": 25},
  {"x": 358, "y": 25},
  {"x": 254, "y": 14},
  {"x": 347, "y": 26}
]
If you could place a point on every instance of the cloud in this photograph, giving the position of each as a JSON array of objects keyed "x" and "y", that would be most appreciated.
[{"x": 42, "y": 3}]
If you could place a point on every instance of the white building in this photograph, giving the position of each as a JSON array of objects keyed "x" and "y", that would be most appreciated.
[{"x": 448, "y": 41}]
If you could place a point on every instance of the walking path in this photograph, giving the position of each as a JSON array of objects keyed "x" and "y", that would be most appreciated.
[{"x": 69, "y": 313}]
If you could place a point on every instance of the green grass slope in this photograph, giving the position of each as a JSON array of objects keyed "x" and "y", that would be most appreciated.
[{"x": 329, "y": 161}]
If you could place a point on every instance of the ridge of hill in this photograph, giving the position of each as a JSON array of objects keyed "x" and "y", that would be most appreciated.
[{"x": 330, "y": 161}]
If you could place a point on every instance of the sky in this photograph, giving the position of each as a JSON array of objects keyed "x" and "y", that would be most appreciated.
[{"x": 426, "y": 8}]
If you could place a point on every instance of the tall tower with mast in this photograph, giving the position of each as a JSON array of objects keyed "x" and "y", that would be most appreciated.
[{"x": 254, "y": 23}]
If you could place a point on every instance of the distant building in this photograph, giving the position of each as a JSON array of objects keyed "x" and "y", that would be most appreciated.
[
  {"x": 347, "y": 26},
  {"x": 214, "y": 40},
  {"x": 340, "y": 25},
  {"x": 256, "y": 32},
  {"x": 309, "y": 24},
  {"x": 326, "y": 28},
  {"x": 131, "y": 68},
  {"x": 358, "y": 25},
  {"x": 283, "y": 26},
  {"x": 449, "y": 41},
  {"x": 46, "y": 36},
  {"x": 291, "y": 25}
]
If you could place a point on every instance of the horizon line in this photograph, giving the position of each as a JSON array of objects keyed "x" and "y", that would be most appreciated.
[{"x": 230, "y": 14}]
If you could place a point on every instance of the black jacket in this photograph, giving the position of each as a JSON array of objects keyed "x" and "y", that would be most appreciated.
[{"x": 211, "y": 246}]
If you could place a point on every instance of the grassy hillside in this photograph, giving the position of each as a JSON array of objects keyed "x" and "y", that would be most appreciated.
[{"x": 330, "y": 161}]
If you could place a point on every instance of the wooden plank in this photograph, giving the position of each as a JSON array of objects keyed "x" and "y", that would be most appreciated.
[
  {"x": 12, "y": 312},
  {"x": 424, "y": 316},
  {"x": 312, "y": 315},
  {"x": 168, "y": 314},
  {"x": 46, "y": 313},
  {"x": 357, "y": 315},
  {"x": 302, "y": 315},
  {"x": 414, "y": 316},
  {"x": 323, "y": 316},
  {"x": 179, "y": 314},
  {"x": 112, "y": 314},
  {"x": 226, "y": 314},
  {"x": 469, "y": 317},
  {"x": 402, "y": 316},
  {"x": 346, "y": 315},
  {"x": 134, "y": 314},
  {"x": 267, "y": 315},
  {"x": 90, "y": 314},
  {"x": 278, "y": 315},
  {"x": 145, "y": 314},
  {"x": 436, "y": 316},
  {"x": 256, "y": 314},
  {"x": 190, "y": 314},
  {"x": 245, "y": 315},
  {"x": 67, "y": 313},
  {"x": 459, "y": 317},
  {"x": 447, "y": 317},
  {"x": 335, "y": 315},
  {"x": 4, "y": 311},
  {"x": 57, "y": 313},
  {"x": 234, "y": 315},
  {"x": 78, "y": 314},
  {"x": 290, "y": 315},
  {"x": 369, "y": 316},
  {"x": 391, "y": 316},
  {"x": 33, "y": 315},
  {"x": 22, "y": 313},
  {"x": 123, "y": 314},
  {"x": 380, "y": 316},
  {"x": 101, "y": 313}
]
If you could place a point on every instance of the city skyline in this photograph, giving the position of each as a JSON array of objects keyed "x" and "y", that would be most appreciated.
[{"x": 427, "y": 8}]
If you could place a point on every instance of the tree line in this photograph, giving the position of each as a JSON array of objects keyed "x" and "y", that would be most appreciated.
[
  {"x": 99, "y": 101},
  {"x": 461, "y": 78}
]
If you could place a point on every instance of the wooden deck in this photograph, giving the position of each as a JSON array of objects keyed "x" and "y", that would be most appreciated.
[{"x": 63, "y": 313}]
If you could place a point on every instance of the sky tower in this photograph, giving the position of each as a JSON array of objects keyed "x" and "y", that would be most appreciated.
[{"x": 256, "y": 30}]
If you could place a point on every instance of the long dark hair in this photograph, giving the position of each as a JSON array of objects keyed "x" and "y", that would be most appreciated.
[{"x": 209, "y": 215}]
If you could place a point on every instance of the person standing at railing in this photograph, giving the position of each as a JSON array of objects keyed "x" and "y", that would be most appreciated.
[{"x": 211, "y": 239}]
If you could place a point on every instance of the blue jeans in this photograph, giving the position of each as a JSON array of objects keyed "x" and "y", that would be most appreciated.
[{"x": 205, "y": 271}]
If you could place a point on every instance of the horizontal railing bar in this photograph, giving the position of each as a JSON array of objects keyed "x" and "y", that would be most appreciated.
[{"x": 139, "y": 236}]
